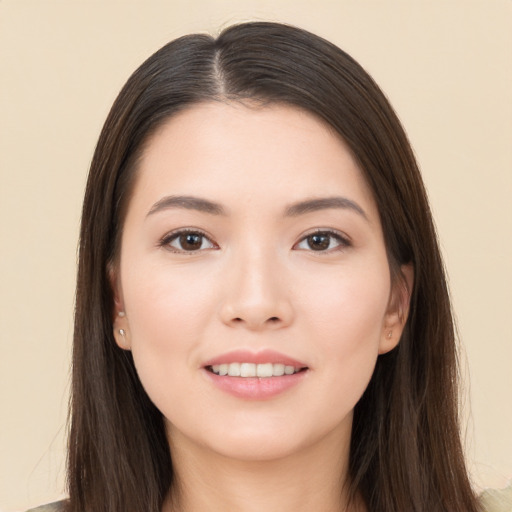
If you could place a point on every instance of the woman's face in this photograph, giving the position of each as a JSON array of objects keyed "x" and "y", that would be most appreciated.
[{"x": 252, "y": 245}]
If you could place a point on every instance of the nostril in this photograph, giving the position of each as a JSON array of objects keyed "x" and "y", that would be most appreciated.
[
  {"x": 272, "y": 320},
  {"x": 257, "y": 322}
]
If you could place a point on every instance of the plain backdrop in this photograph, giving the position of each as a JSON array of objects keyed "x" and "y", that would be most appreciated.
[{"x": 446, "y": 66}]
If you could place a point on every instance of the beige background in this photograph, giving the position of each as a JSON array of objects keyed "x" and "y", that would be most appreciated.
[{"x": 447, "y": 68}]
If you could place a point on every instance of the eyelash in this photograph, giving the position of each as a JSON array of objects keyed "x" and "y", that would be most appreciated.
[
  {"x": 175, "y": 235},
  {"x": 342, "y": 241}
]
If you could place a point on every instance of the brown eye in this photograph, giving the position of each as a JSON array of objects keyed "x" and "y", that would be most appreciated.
[
  {"x": 323, "y": 241},
  {"x": 318, "y": 242},
  {"x": 191, "y": 241},
  {"x": 188, "y": 241}
]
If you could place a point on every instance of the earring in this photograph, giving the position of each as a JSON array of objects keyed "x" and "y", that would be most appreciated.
[
  {"x": 121, "y": 314},
  {"x": 122, "y": 342},
  {"x": 389, "y": 335}
]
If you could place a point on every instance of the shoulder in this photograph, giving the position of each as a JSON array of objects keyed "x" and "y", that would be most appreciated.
[
  {"x": 58, "y": 506},
  {"x": 497, "y": 500}
]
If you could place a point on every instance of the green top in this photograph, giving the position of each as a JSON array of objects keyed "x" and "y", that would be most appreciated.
[
  {"x": 497, "y": 500},
  {"x": 58, "y": 506},
  {"x": 492, "y": 501}
]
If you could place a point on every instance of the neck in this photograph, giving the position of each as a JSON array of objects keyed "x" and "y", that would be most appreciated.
[{"x": 308, "y": 481}]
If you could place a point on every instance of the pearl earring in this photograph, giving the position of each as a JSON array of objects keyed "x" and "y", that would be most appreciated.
[
  {"x": 121, "y": 314},
  {"x": 122, "y": 332}
]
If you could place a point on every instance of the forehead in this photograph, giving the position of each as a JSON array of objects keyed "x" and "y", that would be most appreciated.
[{"x": 278, "y": 153}]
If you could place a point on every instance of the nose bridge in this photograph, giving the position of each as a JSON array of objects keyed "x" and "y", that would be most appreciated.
[{"x": 255, "y": 294}]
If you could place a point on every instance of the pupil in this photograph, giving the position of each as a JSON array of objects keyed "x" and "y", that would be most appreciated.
[
  {"x": 318, "y": 242},
  {"x": 190, "y": 241}
]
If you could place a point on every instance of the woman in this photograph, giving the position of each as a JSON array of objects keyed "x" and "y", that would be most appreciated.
[{"x": 262, "y": 317}]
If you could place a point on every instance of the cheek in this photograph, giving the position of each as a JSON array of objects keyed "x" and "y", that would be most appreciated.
[
  {"x": 167, "y": 304},
  {"x": 345, "y": 316},
  {"x": 348, "y": 306},
  {"x": 167, "y": 312}
]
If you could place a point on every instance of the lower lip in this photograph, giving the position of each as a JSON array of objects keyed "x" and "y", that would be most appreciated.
[{"x": 255, "y": 388}]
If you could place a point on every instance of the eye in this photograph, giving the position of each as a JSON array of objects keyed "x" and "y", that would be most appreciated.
[
  {"x": 187, "y": 241},
  {"x": 322, "y": 241}
]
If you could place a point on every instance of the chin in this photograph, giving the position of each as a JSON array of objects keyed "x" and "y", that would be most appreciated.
[
  {"x": 258, "y": 448},
  {"x": 266, "y": 440}
]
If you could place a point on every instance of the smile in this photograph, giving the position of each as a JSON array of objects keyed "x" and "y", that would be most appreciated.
[
  {"x": 250, "y": 375},
  {"x": 262, "y": 370}
]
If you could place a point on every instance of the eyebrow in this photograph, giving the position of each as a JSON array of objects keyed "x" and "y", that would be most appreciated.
[
  {"x": 187, "y": 203},
  {"x": 294, "y": 210},
  {"x": 323, "y": 203}
]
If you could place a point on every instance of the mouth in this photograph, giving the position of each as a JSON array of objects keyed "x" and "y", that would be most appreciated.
[
  {"x": 261, "y": 375},
  {"x": 260, "y": 370}
]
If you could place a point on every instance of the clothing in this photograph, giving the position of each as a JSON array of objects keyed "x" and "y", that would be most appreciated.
[
  {"x": 57, "y": 506},
  {"x": 492, "y": 501}
]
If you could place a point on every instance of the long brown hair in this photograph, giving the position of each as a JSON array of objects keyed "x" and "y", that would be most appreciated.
[{"x": 405, "y": 451}]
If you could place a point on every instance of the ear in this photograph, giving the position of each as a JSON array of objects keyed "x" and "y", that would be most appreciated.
[
  {"x": 398, "y": 309},
  {"x": 119, "y": 321}
]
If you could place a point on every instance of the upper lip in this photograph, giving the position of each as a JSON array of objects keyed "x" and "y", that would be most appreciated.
[{"x": 261, "y": 357}]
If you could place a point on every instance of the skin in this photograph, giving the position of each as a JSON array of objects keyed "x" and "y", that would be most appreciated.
[{"x": 255, "y": 283}]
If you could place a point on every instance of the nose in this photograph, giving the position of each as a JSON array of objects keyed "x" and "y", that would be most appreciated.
[{"x": 255, "y": 295}]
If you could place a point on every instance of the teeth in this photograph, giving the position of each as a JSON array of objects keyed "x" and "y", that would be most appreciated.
[
  {"x": 288, "y": 370},
  {"x": 254, "y": 370},
  {"x": 278, "y": 369},
  {"x": 265, "y": 370},
  {"x": 247, "y": 370},
  {"x": 234, "y": 370}
]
